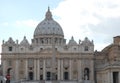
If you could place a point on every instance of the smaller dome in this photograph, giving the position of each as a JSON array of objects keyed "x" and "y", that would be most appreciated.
[
  {"x": 72, "y": 41},
  {"x": 24, "y": 42},
  {"x": 87, "y": 42},
  {"x": 10, "y": 41}
]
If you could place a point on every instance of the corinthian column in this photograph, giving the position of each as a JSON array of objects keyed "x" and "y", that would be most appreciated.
[
  {"x": 44, "y": 70},
  {"x": 16, "y": 70},
  {"x": 61, "y": 69},
  {"x": 70, "y": 69},
  {"x": 58, "y": 69},
  {"x": 26, "y": 69},
  {"x": 38, "y": 70},
  {"x": 119, "y": 76},
  {"x": 4, "y": 67},
  {"x": 35, "y": 70},
  {"x": 80, "y": 74}
]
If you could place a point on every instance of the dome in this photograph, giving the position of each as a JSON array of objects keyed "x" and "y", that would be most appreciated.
[
  {"x": 87, "y": 42},
  {"x": 48, "y": 27},
  {"x": 24, "y": 42},
  {"x": 72, "y": 41},
  {"x": 10, "y": 41}
]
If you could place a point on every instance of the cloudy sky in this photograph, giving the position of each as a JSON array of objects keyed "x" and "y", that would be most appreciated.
[{"x": 99, "y": 20}]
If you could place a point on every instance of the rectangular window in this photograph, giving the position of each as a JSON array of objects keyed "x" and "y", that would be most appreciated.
[
  {"x": 48, "y": 75},
  {"x": 41, "y": 49},
  {"x": 86, "y": 48},
  {"x": 115, "y": 77},
  {"x": 10, "y": 48},
  {"x": 41, "y": 77},
  {"x": 66, "y": 76}
]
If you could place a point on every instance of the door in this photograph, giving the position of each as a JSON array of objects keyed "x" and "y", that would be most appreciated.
[
  {"x": 30, "y": 75},
  {"x": 48, "y": 75},
  {"x": 66, "y": 76}
]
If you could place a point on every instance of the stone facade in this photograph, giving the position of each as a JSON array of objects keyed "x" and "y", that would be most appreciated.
[
  {"x": 107, "y": 63},
  {"x": 49, "y": 56}
]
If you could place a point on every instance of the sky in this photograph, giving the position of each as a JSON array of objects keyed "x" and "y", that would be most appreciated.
[{"x": 99, "y": 20}]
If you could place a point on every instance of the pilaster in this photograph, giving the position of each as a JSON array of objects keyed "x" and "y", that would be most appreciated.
[
  {"x": 92, "y": 73},
  {"x": 119, "y": 77},
  {"x": 70, "y": 69},
  {"x": 80, "y": 71},
  {"x": 44, "y": 70},
  {"x": 110, "y": 77},
  {"x": 4, "y": 67},
  {"x": 58, "y": 69},
  {"x": 38, "y": 70},
  {"x": 35, "y": 70},
  {"x": 16, "y": 70},
  {"x": 61, "y": 69},
  {"x": 26, "y": 69}
]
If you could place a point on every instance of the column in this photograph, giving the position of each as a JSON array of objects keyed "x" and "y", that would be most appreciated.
[
  {"x": 92, "y": 73},
  {"x": 111, "y": 74},
  {"x": 4, "y": 67},
  {"x": 38, "y": 70},
  {"x": 16, "y": 70},
  {"x": 70, "y": 69},
  {"x": 119, "y": 76},
  {"x": 26, "y": 69},
  {"x": 58, "y": 69},
  {"x": 80, "y": 71},
  {"x": 106, "y": 81},
  {"x": 44, "y": 70},
  {"x": 35, "y": 70},
  {"x": 61, "y": 69},
  {"x": 110, "y": 77}
]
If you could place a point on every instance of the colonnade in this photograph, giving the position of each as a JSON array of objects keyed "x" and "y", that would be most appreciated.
[{"x": 60, "y": 70}]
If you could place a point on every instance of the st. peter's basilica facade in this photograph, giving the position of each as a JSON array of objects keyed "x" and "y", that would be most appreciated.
[{"x": 49, "y": 57}]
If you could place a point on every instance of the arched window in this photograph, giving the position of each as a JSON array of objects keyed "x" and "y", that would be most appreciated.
[{"x": 86, "y": 73}]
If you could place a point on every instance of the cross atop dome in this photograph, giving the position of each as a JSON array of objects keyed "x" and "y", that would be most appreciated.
[{"x": 48, "y": 15}]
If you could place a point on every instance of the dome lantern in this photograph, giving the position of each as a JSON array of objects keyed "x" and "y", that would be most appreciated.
[{"x": 48, "y": 15}]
